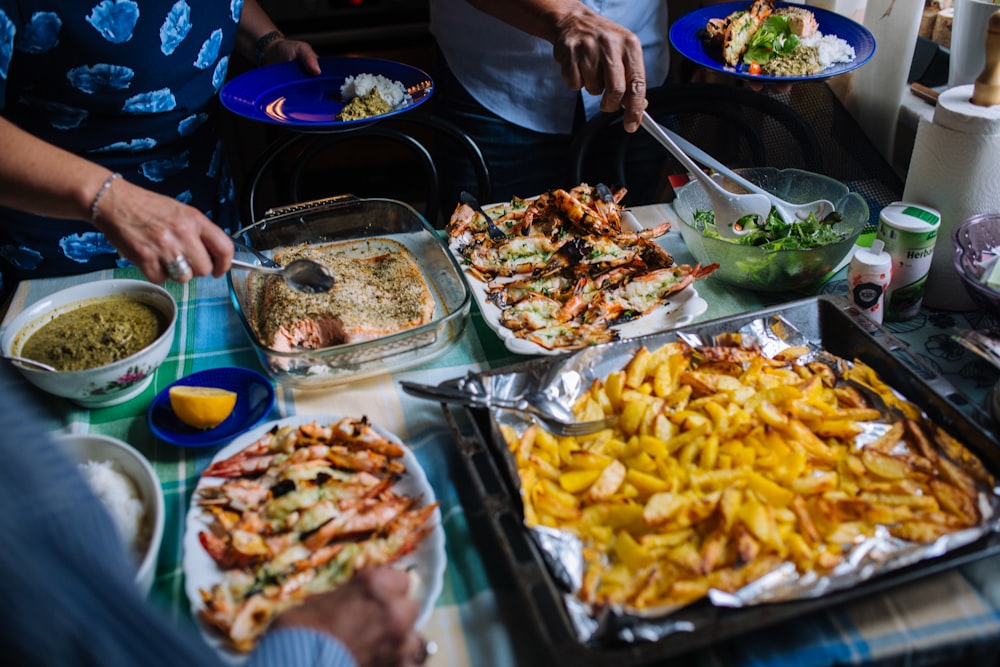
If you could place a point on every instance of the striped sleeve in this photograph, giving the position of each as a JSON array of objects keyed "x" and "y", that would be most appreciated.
[{"x": 300, "y": 646}]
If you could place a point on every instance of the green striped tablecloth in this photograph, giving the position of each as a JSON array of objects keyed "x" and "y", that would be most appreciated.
[{"x": 475, "y": 621}]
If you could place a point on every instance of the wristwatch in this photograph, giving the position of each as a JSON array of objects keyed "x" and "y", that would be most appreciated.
[{"x": 261, "y": 46}]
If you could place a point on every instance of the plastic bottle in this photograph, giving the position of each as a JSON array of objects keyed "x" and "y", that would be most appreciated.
[{"x": 868, "y": 277}]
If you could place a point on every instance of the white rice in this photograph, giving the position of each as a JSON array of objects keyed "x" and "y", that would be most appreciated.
[
  {"x": 391, "y": 91},
  {"x": 830, "y": 49},
  {"x": 119, "y": 495}
]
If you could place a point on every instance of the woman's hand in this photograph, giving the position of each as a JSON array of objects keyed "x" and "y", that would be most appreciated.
[
  {"x": 152, "y": 230},
  {"x": 286, "y": 50}
]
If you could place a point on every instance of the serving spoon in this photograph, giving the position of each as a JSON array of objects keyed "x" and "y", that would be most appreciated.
[
  {"x": 729, "y": 207},
  {"x": 30, "y": 363},
  {"x": 788, "y": 211},
  {"x": 303, "y": 275}
]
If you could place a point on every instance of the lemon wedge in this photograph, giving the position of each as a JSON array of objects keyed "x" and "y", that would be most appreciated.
[{"x": 202, "y": 407}]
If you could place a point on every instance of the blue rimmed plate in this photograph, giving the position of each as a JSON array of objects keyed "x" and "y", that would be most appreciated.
[
  {"x": 254, "y": 400},
  {"x": 685, "y": 35},
  {"x": 283, "y": 94}
]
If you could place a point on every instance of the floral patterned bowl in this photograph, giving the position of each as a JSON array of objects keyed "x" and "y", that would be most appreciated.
[{"x": 106, "y": 385}]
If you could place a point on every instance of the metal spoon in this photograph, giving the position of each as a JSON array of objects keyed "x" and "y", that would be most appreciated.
[
  {"x": 30, "y": 363},
  {"x": 492, "y": 228},
  {"x": 729, "y": 207},
  {"x": 788, "y": 211},
  {"x": 303, "y": 275}
]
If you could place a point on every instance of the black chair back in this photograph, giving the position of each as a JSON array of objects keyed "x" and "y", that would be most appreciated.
[
  {"x": 738, "y": 126},
  {"x": 393, "y": 158}
]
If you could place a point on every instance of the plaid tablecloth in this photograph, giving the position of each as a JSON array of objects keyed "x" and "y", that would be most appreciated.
[{"x": 953, "y": 616}]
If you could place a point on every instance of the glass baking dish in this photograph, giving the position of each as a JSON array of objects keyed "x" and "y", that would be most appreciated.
[{"x": 341, "y": 219}]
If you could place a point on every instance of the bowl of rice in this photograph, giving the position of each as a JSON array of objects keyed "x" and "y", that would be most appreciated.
[{"x": 127, "y": 486}]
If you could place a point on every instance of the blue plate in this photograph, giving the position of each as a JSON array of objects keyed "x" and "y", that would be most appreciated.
[
  {"x": 282, "y": 94},
  {"x": 685, "y": 37},
  {"x": 254, "y": 400}
]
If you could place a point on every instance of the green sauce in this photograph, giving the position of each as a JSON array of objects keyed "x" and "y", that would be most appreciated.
[
  {"x": 368, "y": 105},
  {"x": 95, "y": 334}
]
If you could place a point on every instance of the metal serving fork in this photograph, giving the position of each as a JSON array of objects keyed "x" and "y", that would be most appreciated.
[{"x": 555, "y": 417}]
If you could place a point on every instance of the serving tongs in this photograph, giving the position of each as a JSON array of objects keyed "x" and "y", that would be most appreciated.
[
  {"x": 730, "y": 207},
  {"x": 554, "y": 416}
]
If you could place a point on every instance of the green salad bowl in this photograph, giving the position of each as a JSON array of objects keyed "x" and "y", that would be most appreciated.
[{"x": 755, "y": 267}]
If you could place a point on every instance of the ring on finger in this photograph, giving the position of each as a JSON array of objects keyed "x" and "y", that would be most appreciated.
[
  {"x": 427, "y": 649},
  {"x": 179, "y": 267}
]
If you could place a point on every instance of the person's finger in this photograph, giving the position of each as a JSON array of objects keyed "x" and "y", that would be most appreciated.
[
  {"x": 634, "y": 102},
  {"x": 307, "y": 59},
  {"x": 219, "y": 247},
  {"x": 415, "y": 650},
  {"x": 179, "y": 269},
  {"x": 386, "y": 583}
]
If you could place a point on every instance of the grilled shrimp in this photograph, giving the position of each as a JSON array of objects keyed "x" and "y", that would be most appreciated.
[
  {"x": 571, "y": 338},
  {"x": 520, "y": 254},
  {"x": 639, "y": 296},
  {"x": 534, "y": 312}
]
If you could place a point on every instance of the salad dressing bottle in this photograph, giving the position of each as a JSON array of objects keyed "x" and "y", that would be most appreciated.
[{"x": 868, "y": 277}]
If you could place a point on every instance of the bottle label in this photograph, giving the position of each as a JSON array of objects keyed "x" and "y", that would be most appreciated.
[{"x": 866, "y": 295}]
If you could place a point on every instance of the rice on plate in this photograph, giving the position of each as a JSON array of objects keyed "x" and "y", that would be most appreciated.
[{"x": 371, "y": 95}]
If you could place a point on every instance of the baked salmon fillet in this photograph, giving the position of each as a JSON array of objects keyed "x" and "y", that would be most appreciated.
[{"x": 378, "y": 290}]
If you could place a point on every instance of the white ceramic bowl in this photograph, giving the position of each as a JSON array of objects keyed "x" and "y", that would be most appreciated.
[
  {"x": 126, "y": 459},
  {"x": 106, "y": 385}
]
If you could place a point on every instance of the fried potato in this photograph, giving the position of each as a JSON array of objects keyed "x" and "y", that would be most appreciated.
[{"x": 723, "y": 464}]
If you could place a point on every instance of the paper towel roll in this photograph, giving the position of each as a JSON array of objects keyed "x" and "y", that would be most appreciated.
[{"x": 953, "y": 168}]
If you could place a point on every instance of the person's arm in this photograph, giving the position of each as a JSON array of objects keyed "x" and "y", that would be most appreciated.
[
  {"x": 259, "y": 36},
  {"x": 593, "y": 52},
  {"x": 147, "y": 228}
]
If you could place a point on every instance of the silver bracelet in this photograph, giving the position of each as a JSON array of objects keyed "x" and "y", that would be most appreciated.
[{"x": 100, "y": 193}]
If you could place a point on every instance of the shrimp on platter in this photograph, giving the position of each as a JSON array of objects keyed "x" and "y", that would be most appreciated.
[
  {"x": 640, "y": 295},
  {"x": 585, "y": 215},
  {"x": 562, "y": 336},
  {"x": 520, "y": 254},
  {"x": 565, "y": 250},
  {"x": 298, "y": 512},
  {"x": 503, "y": 295}
]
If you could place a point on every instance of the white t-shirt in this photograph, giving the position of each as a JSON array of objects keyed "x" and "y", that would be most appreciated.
[{"x": 515, "y": 75}]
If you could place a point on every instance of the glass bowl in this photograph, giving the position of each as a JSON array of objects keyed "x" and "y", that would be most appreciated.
[
  {"x": 339, "y": 220},
  {"x": 754, "y": 268},
  {"x": 977, "y": 239}
]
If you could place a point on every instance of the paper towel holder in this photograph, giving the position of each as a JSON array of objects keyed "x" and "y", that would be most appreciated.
[{"x": 986, "y": 90}]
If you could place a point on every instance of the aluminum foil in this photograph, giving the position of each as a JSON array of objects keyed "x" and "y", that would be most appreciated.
[{"x": 567, "y": 379}]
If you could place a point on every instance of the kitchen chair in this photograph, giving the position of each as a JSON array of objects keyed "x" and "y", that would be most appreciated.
[
  {"x": 392, "y": 158},
  {"x": 738, "y": 126}
]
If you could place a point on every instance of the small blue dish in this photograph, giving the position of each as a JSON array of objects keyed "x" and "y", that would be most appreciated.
[{"x": 254, "y": 400}]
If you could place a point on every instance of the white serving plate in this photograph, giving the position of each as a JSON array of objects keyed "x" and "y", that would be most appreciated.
[
  {"x": 682, "y": 308},
  {"x": 426, "y": 564}
]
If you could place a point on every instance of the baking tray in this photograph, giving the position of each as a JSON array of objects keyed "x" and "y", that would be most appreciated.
[{"x": 830, "y": 320}]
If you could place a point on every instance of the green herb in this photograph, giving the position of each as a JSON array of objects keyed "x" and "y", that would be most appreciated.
[
  {"x": 773, "y": 37},
  {"x": 775, "y": 234}
]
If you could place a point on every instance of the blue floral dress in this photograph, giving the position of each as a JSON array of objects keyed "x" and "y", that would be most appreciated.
[{"x": 131, "y": 85}]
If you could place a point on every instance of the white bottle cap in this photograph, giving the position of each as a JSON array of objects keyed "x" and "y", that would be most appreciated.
[{"x": 874, "y": 257}]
